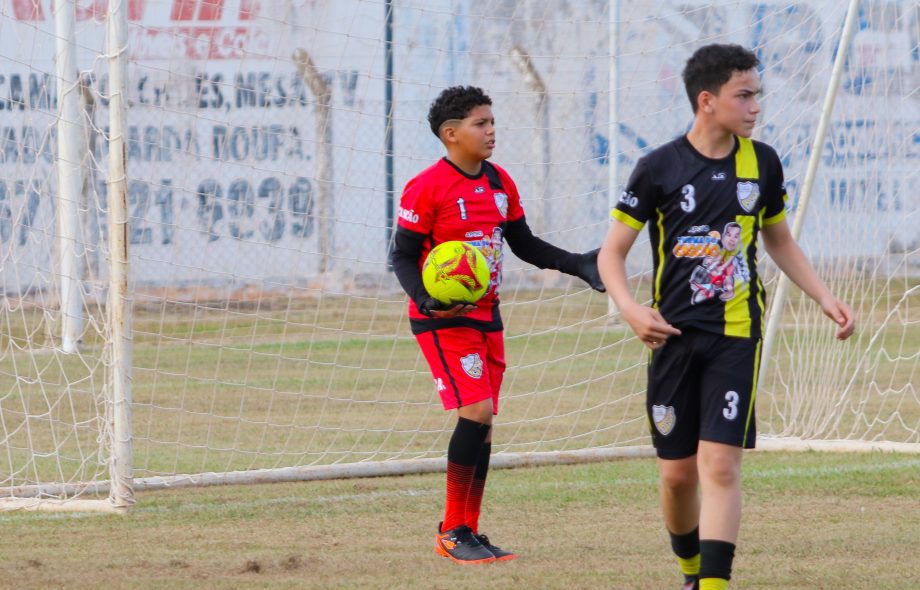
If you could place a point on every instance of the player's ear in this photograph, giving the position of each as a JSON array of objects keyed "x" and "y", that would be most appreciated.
[
  {"x": 704, "y": 102},
  {"x": 448, "y": 133}
]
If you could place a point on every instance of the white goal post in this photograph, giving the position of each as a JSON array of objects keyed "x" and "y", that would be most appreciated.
[{"x": 194, "y": 227}]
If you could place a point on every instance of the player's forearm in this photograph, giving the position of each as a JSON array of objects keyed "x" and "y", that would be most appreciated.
[
  {"x": 611, "y": 264},
  {"x": 537, "y": 252},
  {"x": 407, "y": 249}
]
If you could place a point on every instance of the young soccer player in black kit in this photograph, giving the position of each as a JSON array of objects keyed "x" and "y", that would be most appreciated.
[
  {"x": 465, "y": 197},
  {"x": 706, "y": 196}
]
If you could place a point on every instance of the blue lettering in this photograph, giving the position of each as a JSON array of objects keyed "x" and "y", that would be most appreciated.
[
  {"x": 164, "y": 201},
  {"x": 30, "y": 212},
  {"x": 239, "y": 143},
  {"x": 240, "y": 205},
  {"x": 6, "y": 215},
  {"x": 273, "y": 227},
  {"x": 139, "y": 202},
  {"x": 301, "y": 204},
  {"x": 210, "y": 211}
]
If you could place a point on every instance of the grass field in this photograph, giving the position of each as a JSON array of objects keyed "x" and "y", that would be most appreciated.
[
  {"x": 222, "y": 386},
  {"x": 235, "y": 385},
  {"x": 812, "y": 521}
]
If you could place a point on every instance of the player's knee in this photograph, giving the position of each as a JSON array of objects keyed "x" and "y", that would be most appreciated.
[
  {"x": 679, "y": 479},
  {"x": 722, "y": 469},
  {"x": 479, "y": 412}
]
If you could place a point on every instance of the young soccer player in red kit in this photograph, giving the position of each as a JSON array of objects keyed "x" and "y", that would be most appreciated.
[
  {"x": 465, "y": 197},
  {"x": 708, "y": 195}
]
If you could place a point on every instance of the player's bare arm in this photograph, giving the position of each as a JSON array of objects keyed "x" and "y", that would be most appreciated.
[
  {"x": 646, "y": 322},
  {"x": 788, "y": 256}
]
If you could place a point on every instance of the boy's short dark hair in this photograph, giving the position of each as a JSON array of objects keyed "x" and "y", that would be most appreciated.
[
  {"x": 711, "y": 66},
  {"x": 455, "y": 102}
]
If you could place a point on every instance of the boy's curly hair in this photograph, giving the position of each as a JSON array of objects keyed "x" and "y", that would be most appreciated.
[
  {"x": 455, "y": 102},
  {"x": 711, "y": 66}
]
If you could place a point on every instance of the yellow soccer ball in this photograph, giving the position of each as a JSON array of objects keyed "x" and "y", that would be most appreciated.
[{"x": 456, "y": 272}]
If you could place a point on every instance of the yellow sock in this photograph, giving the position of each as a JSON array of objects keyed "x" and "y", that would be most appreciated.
[
  {"x": 689, "y": 566},
  {"x": 713, "y": 584}
]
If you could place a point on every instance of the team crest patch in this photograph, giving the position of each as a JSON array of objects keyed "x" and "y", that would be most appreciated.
[
  {"x": 472, "y": 365},
  {"x": 501, "y": 201},
  {"x": 664, "y": 418},
  {"x": 748, "y": 193}
]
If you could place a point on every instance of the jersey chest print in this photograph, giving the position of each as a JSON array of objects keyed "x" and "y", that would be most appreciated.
[{"x": 722, "y": 267}]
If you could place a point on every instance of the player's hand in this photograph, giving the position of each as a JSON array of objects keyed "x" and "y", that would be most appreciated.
[
  {"x": 649, "y": 326},
  {"x": 842, "y": 315},
  {"x": 458, "y": 309},
  {"x": 586, "y": 270},
  {"x": 435, "y": 309}
]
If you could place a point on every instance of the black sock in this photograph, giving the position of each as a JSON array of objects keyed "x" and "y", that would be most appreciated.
[
  {"x": 466, "y": 442},
  {"x": 462, "y": 456},
  {"x": 687, "y": 549},
  {"x": 474, "y": 499},
  {"x": 716, "y": 559}
]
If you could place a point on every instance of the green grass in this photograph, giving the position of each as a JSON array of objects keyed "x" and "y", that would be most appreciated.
[
  {"x": 812, "y": 521},
  {"x": 222, "y": 385}
]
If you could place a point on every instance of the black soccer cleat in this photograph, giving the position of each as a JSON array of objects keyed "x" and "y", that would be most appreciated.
[
  {"x": 499, "y": 553},
  {"x": 461, "y": 546},
  {"x": 691, "y": 583}
]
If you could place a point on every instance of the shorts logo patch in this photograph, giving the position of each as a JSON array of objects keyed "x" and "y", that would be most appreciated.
[
  {"x": 665, "y": 418},
  {"x": 472, "y": 365}
]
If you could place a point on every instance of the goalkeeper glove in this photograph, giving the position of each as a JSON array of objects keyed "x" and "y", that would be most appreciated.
[
  {"x": 586, "y": 270},
  {"x": 431, "y": 304}
]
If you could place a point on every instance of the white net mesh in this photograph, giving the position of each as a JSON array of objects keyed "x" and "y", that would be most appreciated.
[{"x": 267, "y": 330}]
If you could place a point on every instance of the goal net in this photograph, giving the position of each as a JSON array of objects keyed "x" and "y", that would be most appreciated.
[{"x": 267, "y": 145}]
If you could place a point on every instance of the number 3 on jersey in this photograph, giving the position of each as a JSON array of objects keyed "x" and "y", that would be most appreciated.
[{"x": 688, "y": 203}]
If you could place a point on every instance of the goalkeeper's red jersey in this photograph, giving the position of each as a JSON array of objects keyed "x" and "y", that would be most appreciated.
[{"x": 444, "y": 203}]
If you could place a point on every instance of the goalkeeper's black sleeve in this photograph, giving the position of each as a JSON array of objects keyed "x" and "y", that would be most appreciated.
[
  {"x": 407, "y": 249},
  {"x": 541, "y": 254}
]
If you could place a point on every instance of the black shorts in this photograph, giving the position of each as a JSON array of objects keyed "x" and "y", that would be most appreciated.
[{"x": 701, "y": 386}]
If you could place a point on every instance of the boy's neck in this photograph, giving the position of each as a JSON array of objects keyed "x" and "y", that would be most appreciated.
[
  {"x": 471, "y": 166},
  {"x": 712, "y": 142}
]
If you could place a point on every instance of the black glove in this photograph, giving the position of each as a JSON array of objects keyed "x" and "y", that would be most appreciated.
[
  {"x": 431, "y": 304},
  {"x": 586, "y": 270}
]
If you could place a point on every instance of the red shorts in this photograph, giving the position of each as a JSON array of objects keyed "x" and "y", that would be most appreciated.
[{"x": 467, "y": 365}]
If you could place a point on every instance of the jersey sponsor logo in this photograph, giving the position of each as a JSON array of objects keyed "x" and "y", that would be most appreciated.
[
  {"x": 748, "y": 193},
  {"x": 688, "y": 201},
  {"x": 723, "y": 268},
  {"x": 664, "y": 418},
  {"x": 698, "y": 229},
  {"x": 629, "y": 199},
  {"x": 409, "y": 215},
  {"x": 501, "y": 201},
  {"x": 439, "y": 383},
  {"x": 473, "y": 234},
  {"x": 472, "y": 365},
  {"x": 697, "y": 246},
  {"x": 718, "y": 175},
  {"x": 479, "y": 190}
]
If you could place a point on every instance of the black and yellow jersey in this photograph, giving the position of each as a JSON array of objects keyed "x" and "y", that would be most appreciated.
[{"x": 704, "y": 217}]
